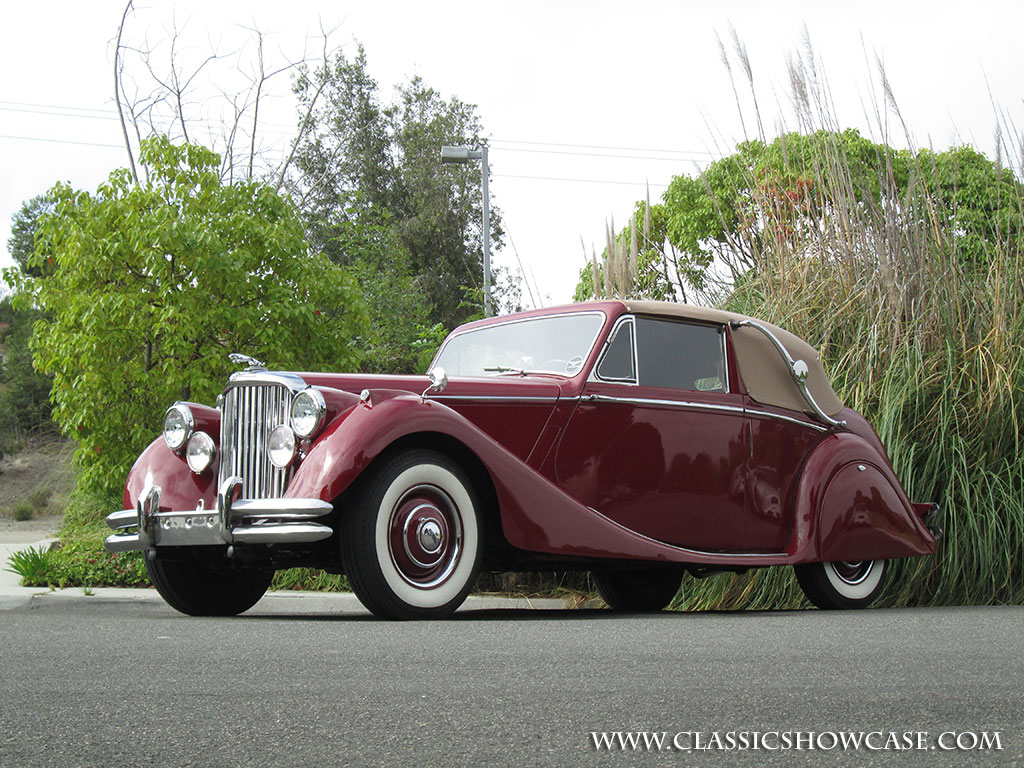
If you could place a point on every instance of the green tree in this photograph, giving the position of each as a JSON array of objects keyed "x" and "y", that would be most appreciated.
[
  {"x": 24, "y": 224},
  {"x": 24, "y": 392},
  {"x": 153, "y": 284},
  {"x": 372, "y": 190},
  {"x": 799, "y": 193}
]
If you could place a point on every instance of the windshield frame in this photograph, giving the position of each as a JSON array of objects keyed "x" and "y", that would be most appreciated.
[{"x": 585, "y": 355}]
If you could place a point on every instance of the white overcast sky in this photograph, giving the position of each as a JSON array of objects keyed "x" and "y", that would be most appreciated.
[{"x": 560, "y": 86}]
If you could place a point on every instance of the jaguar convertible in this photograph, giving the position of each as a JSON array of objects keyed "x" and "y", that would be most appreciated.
[{"x": 640, "y": 441}]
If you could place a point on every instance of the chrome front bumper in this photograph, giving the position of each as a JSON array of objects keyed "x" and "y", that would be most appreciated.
[{"x": 247, "y": 521}]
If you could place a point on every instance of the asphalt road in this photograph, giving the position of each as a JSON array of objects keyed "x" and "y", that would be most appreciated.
[{"x": 95, "y": 683}]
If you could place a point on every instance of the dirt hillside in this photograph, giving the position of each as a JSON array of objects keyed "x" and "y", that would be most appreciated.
[{"x": 42, "y": 474}]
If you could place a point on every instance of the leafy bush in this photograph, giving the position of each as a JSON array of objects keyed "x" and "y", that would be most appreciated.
[
  {"x": 147, "y": 286},
  {"x": 22, "y": 510}
]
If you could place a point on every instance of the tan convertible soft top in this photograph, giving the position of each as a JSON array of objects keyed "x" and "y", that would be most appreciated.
[{"x": 763, "y": 370}]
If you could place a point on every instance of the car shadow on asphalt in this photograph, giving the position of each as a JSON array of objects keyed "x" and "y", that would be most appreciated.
[{"x": 526, "y": 614}]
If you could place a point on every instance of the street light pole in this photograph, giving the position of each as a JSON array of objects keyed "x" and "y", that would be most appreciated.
[{"x": 463, "y": 155}]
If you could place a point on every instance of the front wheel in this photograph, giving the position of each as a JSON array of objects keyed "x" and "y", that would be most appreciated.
[
  {"x": 844, "y": 584},
  {"x": 411, "y": 538},
  {"x": 637, "y": 590},
  {"x": 198, "y": 589}
]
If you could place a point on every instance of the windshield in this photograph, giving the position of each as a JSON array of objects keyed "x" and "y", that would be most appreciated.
[{"x": 558, "y": 344}]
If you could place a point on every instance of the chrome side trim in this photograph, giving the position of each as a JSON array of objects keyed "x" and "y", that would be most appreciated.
[
  {"x": 797, "y": 369},
  {"x": 666, "y": 403},
  {"x": 497, "y": 398},
  {"x": 702, "y": 407},
  {"x": 789, "y": 419}
]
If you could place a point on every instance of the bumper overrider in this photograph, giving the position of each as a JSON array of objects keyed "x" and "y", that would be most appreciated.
[{"x": 244, "y": 521}]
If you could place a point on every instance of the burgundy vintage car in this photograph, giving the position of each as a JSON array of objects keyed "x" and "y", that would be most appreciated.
[{"x": 636, "y": 440}]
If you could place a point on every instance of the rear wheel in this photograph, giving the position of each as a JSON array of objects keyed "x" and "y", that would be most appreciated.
[
  {"x": 844, "y": 584},
  {"x": 411, "y": 539},
  {"x": 639, "y": 590},
  {"x": 198, "y": 589}
]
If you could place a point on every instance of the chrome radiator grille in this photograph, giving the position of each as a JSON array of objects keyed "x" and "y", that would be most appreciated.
[{"x": 250, "y": 412}]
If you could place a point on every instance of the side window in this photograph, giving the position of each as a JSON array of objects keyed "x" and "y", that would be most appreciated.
[
  {"x": 617, "y": 363},
  {"x": 680, "y": 355}
]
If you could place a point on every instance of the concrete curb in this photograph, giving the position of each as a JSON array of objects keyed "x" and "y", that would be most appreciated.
[{"x": 13, "y": 596}]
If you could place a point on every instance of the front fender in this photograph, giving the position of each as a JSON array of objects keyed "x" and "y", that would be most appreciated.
[
  {"x": 180, "y": 487},
  {"x": 850, "y": 506}
]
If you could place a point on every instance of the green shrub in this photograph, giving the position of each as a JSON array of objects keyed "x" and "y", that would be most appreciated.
[{"x": 22, "y": 510}]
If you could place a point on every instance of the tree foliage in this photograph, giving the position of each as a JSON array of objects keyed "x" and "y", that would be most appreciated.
[
  {"x": 372, "y": 190},
  {"x": 24, "y": 224},
  {"x": 24, "y": 392},
  {"x": 153, "y": 284},
  {"x": 787, "y": 195}
]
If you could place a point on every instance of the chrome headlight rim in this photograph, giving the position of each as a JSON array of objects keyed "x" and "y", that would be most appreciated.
[
  {"x": 200, "y": 452},
  {"x": 307, "y": 424},
  {"x": 282, "y": 446},
  {"x": 177, "y": 433}
]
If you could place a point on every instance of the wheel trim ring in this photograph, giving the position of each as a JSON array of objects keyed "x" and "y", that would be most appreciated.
[
  {"x": 850, "y": 587},
  {"x": 423, "y": 502},
  {"x": 853, "y": 572}
]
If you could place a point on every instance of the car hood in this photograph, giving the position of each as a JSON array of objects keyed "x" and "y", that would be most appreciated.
[{"x": 512, "y": 410}]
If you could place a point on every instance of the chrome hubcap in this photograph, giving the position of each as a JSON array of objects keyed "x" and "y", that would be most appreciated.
[
  {"x": 425, "y": 536},
  {"x": 853, "y": 572},
  {"x": 430, "y": 536}
]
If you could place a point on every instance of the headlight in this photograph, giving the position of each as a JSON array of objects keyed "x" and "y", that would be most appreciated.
[
  {"x": 281, "y": 446},
  {"x": 308, "y": 409},
  {"x": 178, "y": 426},
  {"x": 200, "y": 452}
]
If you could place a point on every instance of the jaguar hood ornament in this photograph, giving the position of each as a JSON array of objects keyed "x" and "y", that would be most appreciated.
[{"x": 250, "y": 363}]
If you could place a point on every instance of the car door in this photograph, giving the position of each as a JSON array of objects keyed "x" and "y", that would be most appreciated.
[{"x": 659, "y": 441}]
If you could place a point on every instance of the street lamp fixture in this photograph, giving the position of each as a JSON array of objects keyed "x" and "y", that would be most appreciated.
[{"x": 463, "y": 156}]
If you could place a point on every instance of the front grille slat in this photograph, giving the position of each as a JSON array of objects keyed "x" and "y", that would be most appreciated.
[{"x": 249, "y": 413}]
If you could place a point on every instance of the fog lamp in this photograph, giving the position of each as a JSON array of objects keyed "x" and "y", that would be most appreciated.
[
  {"x": 200, "y": 452},
  {"x": 281, "y": 446}
]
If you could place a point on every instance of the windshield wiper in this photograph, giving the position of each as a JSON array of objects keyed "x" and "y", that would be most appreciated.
[{"x": 502, "y": 369}]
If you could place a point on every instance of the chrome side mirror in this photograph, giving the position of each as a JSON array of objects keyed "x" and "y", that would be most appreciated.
[{"x": 438, "y": 381}]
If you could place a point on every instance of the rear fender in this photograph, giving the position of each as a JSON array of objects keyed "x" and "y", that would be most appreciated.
[{"x": 850, "y": 506}]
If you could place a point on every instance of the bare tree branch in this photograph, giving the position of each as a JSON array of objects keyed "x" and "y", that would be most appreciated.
[{"x": 117, "y": 90}]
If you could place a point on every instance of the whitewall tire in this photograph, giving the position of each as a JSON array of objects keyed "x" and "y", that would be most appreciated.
[
  {"x": 411, "y": 537},
  {"x": 842, "y": 584}
]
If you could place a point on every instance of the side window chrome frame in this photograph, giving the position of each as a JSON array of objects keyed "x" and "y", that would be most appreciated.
[{"x": 619, "y": 327}]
